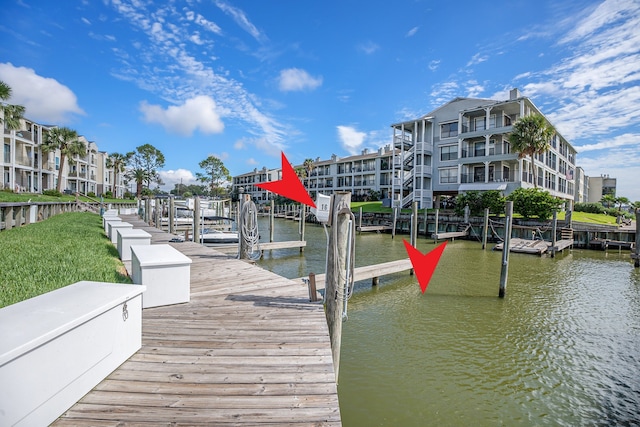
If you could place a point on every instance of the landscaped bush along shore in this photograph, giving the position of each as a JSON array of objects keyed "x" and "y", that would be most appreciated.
[{"x": 48, "y": 255}]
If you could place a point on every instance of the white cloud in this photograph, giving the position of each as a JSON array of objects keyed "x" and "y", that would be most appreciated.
[
  {"x": 251, "y": 161},
  {"x": 412, "y": 32},
  {"x": 178, "y": 176},
  {"x": 368, "y": 47},
  {"x": 197, "y": 113},
  {"x": 433, "y": 65},
  {"x": 350, "y": 139},
  {"x": 45, "y": 99},
  {"x": 477, "y": 59},
  {"x": 295, "y": 79}
]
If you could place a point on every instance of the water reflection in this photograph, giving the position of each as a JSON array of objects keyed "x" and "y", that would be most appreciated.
[{"x": 563, "y": 347}]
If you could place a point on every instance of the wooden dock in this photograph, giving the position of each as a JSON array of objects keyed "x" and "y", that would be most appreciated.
[
  {"x": 535, "y": 247},
  {"x": 248, "y": 349},
  {"x": 377, "y": 228},
  {"x": 268, "y": 246},
  {"x": 367, "y": 272}
]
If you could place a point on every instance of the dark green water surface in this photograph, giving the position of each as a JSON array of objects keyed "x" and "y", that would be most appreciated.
[{"x": 561, "y": 349}]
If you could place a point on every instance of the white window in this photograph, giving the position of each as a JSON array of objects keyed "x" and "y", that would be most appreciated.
[{"x": 448, "y": 175}]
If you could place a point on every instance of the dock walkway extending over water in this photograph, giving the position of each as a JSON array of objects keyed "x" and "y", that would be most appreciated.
[{"x": 248, "y": 349}]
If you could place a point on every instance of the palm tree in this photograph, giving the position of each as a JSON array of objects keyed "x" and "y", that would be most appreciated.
[
  {"x": 12, "y": 113},
  {"x": 530, "y": 136},
  {"x": 621, "y": 201},
  {"x": 309, "y": 166},
  {"x": 66, "y": 140},
  {"x": 118, "y": 163},
  {"x": 608, "y": 200}
]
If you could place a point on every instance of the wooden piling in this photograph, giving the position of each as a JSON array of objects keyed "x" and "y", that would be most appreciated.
[
  {"x": 435, "y": 231},
  {"x": 395, "y": 218},
  {"x": 485, "y": 229},
  {"x": 414, "y": 224},
  {"x": 197, "y": 215},
  {"x": 272, "y": 215},
  {"x": 313, "y": 293},
  {"x": 636, "y": 255},
  {"x": 336, "y": 274},
  {"x": 360, "y": 220},
  {"x": 504, "y": 271},
  {"x": 303, "y": 219},
  {"x": 554, "y": 231},
  {"x": 171, "y": 215}
]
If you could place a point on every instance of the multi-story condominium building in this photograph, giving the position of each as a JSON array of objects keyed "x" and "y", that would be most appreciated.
[
  {"x": 463, "y": 145},
  {"x": 360, "y": 174},
  {"x": 582, "y": 186},
  {"x": 601, "y": 186},
  {"x": 25, "y": 168}
]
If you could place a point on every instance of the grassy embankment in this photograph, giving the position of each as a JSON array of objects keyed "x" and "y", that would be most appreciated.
[
  {"x": 376, "y": 207},
  {"x": 9, "y": 197},
  {"x": 51, "y": 254}
]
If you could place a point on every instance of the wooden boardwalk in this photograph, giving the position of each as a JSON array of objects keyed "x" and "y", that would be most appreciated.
[
  {"x": 248, "y": 349},
  {"x": 535, "y": 247}
]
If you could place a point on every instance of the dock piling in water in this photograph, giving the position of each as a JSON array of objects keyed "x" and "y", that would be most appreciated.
[{"x": 504, "y": 271}]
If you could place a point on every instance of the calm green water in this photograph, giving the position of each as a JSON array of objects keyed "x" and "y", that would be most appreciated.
[{"x": 561, "y": 349}]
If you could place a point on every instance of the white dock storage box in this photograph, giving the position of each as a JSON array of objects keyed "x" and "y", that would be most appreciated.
[
  {"x": 164, "y": 271},
  {"x": 107, "y": 219},
  {"x": 56, "y": 347},
  {"x": 114, "y": 227},
  {"x": 128, "y": 237}
]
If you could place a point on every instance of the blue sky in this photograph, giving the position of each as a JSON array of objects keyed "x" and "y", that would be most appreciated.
[{"x": 245, "y": 80}]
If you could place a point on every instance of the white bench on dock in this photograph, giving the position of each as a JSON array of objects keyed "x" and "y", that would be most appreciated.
[
  {"x": 114, "y": 227},
  {"x": 56, "y": 347},
  {"x": 165, "y": 272},
  {"x": 128, "y": 237}
]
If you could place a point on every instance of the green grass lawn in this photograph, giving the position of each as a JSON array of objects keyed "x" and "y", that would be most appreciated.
[
  {"x": 9, "y": 197},
  {"x": 51, "y": 254}
]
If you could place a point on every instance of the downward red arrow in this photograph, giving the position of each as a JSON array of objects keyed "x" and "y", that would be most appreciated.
[
  {"x": 289, "y": 186},
  {"x": 424, "y": 265}
]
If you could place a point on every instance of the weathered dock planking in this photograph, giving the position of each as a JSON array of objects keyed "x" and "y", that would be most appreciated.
[
  {"x": 368, "y": 272},
  {"x": 535, "y": 247},
  {"x": 248, "y": 349},
  {"x": 267, "y": 246}
]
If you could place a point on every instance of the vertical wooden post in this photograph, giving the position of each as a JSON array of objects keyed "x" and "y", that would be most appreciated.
[
  {"x": 147, "y": 210},
  {"x": 395, "y": 218},
  {"x": 313, "y": 293},
  {"x": 485, "y": 229},
  {"x": 426, "y": 230},
  {"x": 435, "y": 231},
  {"x": 158, "y": 214},
  {"x": 636, "y": 258},
  {"x": 414, "y": 224},
  {"x": 197, "y": 233},
  {"x": 242, "y": 245},
  {"x": 504, "y": 271},
  {"x": 336, "y": 274},
  {"x": 272, "y": 215},
  {"x": 303, "y": 220},
  {"x": 360, "y": 220},
  {"x": 554, "y": 231},
  {"x": 171, "y": 216}
]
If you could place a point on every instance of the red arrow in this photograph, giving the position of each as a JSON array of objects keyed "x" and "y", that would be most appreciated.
[
  {"x": 289, "y": 186},
  {"x": 424, "y": 265}
]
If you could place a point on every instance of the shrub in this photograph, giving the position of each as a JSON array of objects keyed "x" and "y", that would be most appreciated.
[
  {"x": 54, "y": 193},
  {"x": 595, "y": 208},
  {"x": 534, "y": 202},
  {"x": 478, "y": 201},
  {"x": 91, "y": 194},
  {"x": 108, "y": 194}
]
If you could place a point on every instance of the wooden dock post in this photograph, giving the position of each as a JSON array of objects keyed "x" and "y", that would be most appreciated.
[
  {"x": 435, "y": 231},
  {"x": 336, "y": 274},
  {"x": 313, "y": 293},
  {"x": 197, "y": 238},
  {"x": 272, "y": 215},
  {"x": 303, "y": 219},
  {"x": 395, "y": 218},
  {"x": 426, "y": 230},
  {"x": 636, "y": 255},
  {"x": 504, "y": 271},
  {"x": 554, "y": 231},
  {"x": 360, "y": 220},
  {"x": 414, "y": 224},
  {"x": 485, "y": 229},
  {"x": 171, "y": 215}
]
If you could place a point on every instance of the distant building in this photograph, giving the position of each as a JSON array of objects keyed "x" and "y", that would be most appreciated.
[
  {"x": 601, "y": 186},
  {"x": 463, "y": 146},
  {"x": 25, "y": 168},
  {"x": 582, "y": 186},
  {"x": 460, "y": 146}
]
